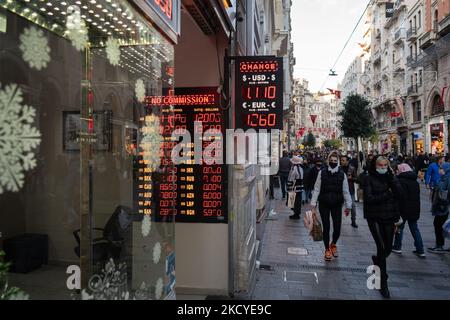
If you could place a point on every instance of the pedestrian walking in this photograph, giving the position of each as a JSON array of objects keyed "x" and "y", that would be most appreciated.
[
  {"x": 409, "y": 209},
  {"x": 306, "y": 170},
  {"x": 351, "y": 174},
  {"x": 331, "y": 191},
  {"x": 295, "y": 184},
  {"x": 432, "y": 175},
  {"x": 283, "y": 172},
  {"x": 440, "y": 212},
  {"x": 381, "y": 193},
  {"x": 311, "y": 177}
]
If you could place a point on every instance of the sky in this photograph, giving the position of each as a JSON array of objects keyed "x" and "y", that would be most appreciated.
[{"x": 320, "y": 29}]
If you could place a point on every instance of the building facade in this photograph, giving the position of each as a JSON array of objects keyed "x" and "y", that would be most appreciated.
[{"x": 406, "y": 76}]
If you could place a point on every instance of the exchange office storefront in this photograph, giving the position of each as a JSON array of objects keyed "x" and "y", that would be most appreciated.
[
  {"x": 437, "y": 138},
  {"x": 81, "y": 167}
]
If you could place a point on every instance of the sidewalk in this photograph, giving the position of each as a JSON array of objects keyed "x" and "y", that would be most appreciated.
[{"x": 286, "y": 273}]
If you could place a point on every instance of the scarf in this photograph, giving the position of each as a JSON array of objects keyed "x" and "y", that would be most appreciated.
[{"x": 295, "y": 173}]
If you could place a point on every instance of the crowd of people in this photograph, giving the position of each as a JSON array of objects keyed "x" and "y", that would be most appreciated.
[{"x": 330, "y": 182}]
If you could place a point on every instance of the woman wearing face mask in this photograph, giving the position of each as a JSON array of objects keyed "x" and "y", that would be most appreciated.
[
  {"x": 331, "y": 190},
  {"x": 295, "y": 183},
  {"x": 381, "y": 193},
  {"x": 440, "y": 213}
]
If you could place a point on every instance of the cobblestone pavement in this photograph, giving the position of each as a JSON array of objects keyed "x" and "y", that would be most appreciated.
[{"x": 287, "y": 275}]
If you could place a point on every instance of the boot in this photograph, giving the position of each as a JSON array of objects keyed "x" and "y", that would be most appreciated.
[
  {"x": 385, "y": 291},
  {"x": 384, "y": 287}
]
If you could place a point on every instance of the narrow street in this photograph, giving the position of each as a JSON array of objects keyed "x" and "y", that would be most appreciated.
[{"x": 295, "y": 277}]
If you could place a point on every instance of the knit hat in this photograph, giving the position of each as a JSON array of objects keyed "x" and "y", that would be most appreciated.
[
  {"x": 404, "y": 167},
  {"x": 297, "y": 160}
]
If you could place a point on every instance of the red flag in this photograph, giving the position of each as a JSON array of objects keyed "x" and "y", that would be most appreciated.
[
  {"x": 336, "y": 93},
  {"x": 313, "y": 118},
  {"x": 300, "y": 132}
]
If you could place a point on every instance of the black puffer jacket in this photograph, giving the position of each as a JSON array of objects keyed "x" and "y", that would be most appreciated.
[
  {"x": 381, "y": 196},
  {"x": 311, "y": 177},
  {"x": 410, "y": 200}
]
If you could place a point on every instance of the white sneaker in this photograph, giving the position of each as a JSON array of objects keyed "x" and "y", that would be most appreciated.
[{"x": 397, "y": 251}]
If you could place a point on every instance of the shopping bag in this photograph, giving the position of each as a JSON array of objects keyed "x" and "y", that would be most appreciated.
[
  {"x": 291, "y": 199},
  {"x": 308, "y": 220},
  {"x": 316, "y": 232}
]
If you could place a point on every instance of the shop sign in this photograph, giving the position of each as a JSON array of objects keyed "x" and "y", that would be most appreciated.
[
  {"x": 195, "y": 192},
  {"x": 418, "y": 135},
  {"x": 259, "y": 92},
  {"x": 164, "y": 13},
  {"x": 437, "y": 131},
  {"x": 437, "y": 127},
  {"x": 389, "y": 9}
]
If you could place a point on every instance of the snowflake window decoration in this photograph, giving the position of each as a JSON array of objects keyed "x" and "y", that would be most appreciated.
[
  {"x": 17, "y": 139},
  {"x": 146, "y": 225},
  {"x": 140, "y": 90},
  {"x": 113, "y": 51},
  {"x": 156, "y": 253},
  {"x": 151, "y": 142},
  {"x": 159, "y": 288},
  {"x": 34, "y": 47},
  {"x": 78, "y": 36},
  {"x": 112, "y": 284}
]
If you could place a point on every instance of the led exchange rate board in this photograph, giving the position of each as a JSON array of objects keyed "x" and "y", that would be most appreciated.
[
  {"x": 259, "y": 92},
  {"x": 194, "y": 190}
]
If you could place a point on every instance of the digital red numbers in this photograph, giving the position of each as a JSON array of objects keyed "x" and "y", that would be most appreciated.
[
  {"x": 209, "y": 117},
  {"x": 259, "y": 92},
  {"x": 259, "y": 84},
  {"x": 165, "y": 6},
  {"x": 193, "y": 191},
  {"x": 261, "y": 120}
]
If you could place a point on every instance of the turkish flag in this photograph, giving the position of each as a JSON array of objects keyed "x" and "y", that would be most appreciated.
[
  {"x": 336, "y": 93},
  {"x": 301, "y": 132}
]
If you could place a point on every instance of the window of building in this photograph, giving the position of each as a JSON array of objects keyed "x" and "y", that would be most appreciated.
[
  {"x": 435, "y": 21},
  {"x": 437, "y": 107},
  {"x": 417, "y": 111},
  {"x": 420, "y": 18}
]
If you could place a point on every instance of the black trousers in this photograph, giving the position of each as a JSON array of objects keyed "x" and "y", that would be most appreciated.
[
  {"x": 283, "y": 181},
  {"x": 271, "y": 189},
  {"x": 438, "y": 223},
  {"x": 298, "y": 204},
  {"x": 336, "y": 215},
  {"x": 383, "y": 234}
]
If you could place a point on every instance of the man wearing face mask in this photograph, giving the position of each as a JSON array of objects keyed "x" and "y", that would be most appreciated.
[{"x": 331, "y": 191}]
